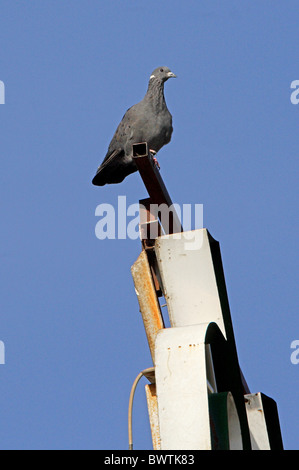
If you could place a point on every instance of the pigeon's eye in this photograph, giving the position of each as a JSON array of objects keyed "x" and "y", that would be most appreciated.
[{"x": 161, "y": 70}]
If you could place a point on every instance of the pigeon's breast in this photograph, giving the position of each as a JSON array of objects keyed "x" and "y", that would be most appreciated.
[{"x": 160, "y": 131}]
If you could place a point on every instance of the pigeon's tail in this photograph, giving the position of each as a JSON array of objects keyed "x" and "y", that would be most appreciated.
[{"x": 113, "y": 169}]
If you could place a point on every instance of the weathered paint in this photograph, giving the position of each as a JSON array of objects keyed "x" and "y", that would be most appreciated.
[
  {"x": 182, "y": 388},
  {"x": 257, "y": 423},
  {"x": 194, "y": 288},
  {"x": 151, "y": 397},
  {"x": 147, "y": 298}
]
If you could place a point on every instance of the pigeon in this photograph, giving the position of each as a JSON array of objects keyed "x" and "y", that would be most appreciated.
[{"x": 147, "y": 121}]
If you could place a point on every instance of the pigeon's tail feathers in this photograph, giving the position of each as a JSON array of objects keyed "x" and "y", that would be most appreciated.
[
  {"x": 107, "y": 169},
  {"x": 113, "y": 169}
]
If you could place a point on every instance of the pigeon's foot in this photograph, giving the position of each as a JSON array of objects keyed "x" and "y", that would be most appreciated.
[
  {"x": 156, "y": 163},
  {"x": 153, "y": 153}
]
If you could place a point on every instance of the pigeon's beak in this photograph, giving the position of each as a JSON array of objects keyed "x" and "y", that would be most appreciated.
[{"x": 171, "y": 75}]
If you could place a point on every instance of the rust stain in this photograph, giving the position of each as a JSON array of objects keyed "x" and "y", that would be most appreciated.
[
  {"x": 152, "y": 404},
  {"x": 147, "y": 298}
]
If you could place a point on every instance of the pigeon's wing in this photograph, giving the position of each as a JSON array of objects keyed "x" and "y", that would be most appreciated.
[
  {"x": 118, "y": 163},
  {"x": 129, "y": 129},
  {"x": 111, "y": 170}
]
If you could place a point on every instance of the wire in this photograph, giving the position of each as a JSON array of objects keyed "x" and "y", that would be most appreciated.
[{"x": 130, "y": 432}]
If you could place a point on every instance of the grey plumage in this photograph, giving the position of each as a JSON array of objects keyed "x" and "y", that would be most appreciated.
[{"x": 147, "y": 121}]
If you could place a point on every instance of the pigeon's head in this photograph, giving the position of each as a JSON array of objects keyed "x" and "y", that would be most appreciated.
[{"x": 162, "y": 74}]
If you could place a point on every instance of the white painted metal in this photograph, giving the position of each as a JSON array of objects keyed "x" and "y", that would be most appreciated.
[
  {"x": 182, "y": 393},
  {"x": 184, "y": 369},
  {"x": 188, "y": 277},
  {"x": 256, "y": 421},
  {"x": 211, "y": 379},
  {"x": 183, "y": 363},
  {"x": 234, "y": 430}
]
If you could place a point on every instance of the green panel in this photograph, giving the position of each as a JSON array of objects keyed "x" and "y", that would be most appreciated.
[{"x": 219, "y": 421}]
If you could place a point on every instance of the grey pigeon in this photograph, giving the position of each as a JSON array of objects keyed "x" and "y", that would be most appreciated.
[{"x": 147, "y": 121}]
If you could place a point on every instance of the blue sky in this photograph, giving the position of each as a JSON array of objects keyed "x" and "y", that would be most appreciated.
[{"x": 69, "y": 320}]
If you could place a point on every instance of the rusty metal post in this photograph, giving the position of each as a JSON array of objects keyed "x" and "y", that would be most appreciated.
[{"x": 155, "y": 186}]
